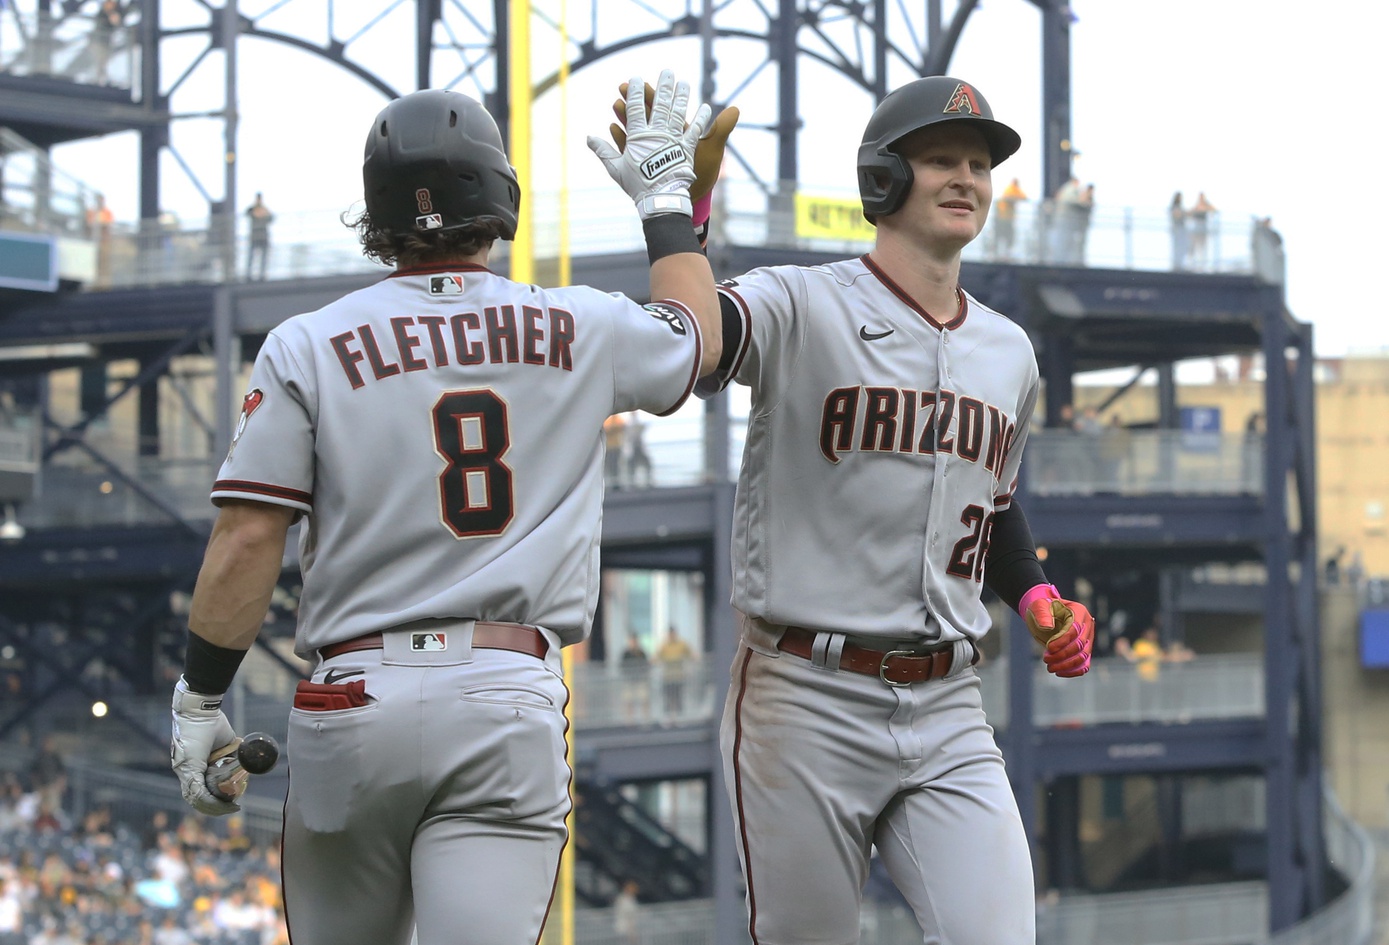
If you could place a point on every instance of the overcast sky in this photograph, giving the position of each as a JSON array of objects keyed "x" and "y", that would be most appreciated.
[{"x": 1270, "y": 107}]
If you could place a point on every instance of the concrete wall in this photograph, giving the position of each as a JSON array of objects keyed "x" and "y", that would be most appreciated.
[
  {"x": 1352, "y": 401},
  {"x": 1355, "y": 714}
]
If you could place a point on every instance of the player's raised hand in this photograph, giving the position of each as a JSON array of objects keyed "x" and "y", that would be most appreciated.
[
  {"x": 656, "y": 167},
  {"x": 200, "y": 729},
  {"x": 1065, "y": 629},
  {"x": 708, "y": 160}
]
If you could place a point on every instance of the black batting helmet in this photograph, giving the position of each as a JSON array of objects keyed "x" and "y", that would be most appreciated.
[
  {"x": 884, "y": 177},
  {"x": 435, "y": 161}
]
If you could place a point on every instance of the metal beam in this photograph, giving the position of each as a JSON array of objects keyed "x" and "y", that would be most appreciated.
[
  {"x": 1056, "y": 95},
  {"x": 1285, "y": 873}
]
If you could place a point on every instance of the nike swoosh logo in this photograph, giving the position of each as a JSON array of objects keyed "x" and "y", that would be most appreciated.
[
  {"x": 334, "y": 677},
  {"x": 867, "y": 335}
]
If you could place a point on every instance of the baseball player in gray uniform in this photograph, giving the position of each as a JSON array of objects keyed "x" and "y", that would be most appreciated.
[
  {"x": 889, "y": 413},
  {"x": 440, "y": 433}
]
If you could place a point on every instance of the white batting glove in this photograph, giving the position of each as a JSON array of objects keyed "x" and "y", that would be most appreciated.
[
  {"x": 200, "y": 728},
  {"x": 657, "y": 166}
]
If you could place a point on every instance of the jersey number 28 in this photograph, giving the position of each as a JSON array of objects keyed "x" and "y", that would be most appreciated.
[
  {"x": 472, "y": 434},
  {"x": 967, "y": 557}
]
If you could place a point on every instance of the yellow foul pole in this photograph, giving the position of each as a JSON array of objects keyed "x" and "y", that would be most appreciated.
[
  {"x": 566, "y": 864},
  {"x": 519, "y": 94},
  {"x": 565, "y": 269}
]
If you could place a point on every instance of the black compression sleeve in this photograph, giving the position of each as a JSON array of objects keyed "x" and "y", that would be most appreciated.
[
  {"x": 732, "y": 333},
  {"x": 668, "y": 234},
  {"x": 1011, "y": 568},
  {"x": 209, "y": 668}
]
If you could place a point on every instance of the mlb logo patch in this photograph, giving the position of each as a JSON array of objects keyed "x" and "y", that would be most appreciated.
[
  {"x": 429, "y": 221},
  {"x": 446, "y": 285},
  {"x": 422, "y": 642}
]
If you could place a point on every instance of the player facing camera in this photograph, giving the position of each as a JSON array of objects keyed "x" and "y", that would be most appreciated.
[
  {"x": 854, "y": 700},
  {"x": 937, "y": 102}
]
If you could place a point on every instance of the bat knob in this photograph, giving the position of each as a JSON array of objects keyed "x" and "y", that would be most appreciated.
[{"x": 258, "y": 753}]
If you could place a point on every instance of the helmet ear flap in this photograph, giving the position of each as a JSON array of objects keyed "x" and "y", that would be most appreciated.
[{"x": 884, "y": 179}]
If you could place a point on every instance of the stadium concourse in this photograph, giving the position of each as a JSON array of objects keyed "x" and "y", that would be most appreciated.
[{"x": 102, "y": 882}]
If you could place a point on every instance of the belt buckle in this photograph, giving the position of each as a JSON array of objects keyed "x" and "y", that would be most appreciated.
[{"x": 882, "y": 667}]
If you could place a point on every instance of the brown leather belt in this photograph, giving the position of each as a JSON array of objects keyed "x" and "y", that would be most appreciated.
[
  {"x": 486, "y": 635},
  {"x": 894, "y": 667}
]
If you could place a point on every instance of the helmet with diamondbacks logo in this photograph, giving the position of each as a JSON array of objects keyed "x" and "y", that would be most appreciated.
[
  {"x": 884, "y": 176},
  {"x": 435, "y": 161}
]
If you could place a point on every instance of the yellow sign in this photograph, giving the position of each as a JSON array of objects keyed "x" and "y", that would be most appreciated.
[{"x": 829, "y": 218}]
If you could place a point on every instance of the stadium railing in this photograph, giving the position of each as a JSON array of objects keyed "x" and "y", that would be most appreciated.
[
  {"x": 76, "y": 489},
  {"x": 317, "y": 242}
]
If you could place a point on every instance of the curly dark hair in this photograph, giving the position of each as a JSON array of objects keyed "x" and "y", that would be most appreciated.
[{"x": 421, "y": 248}]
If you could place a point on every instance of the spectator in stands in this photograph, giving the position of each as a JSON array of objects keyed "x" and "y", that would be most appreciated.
[
  {"x": 1355, "y": 571},
  {"x": 261, "y": 218},
  {"x": 48, "y": 774},
  {"x": 1149, "y": 653},
  {"x": 1200, "y": 215},
  {"x": 674, "y": 657},
  {"x": 11, "y": 914},
  {"x": 1087, "y": 457},
  {"x": 50, "y": 818},
  {"x": 1176, "y": 221},
  {"x": 235, "y": 914},
  {"x": 638, "y": 462},
  {"x": 236, "y": 841},
  {"x": 1146, "y": 652},
  {"x": 12, "y": 817},
  {"x": 1333, "y": 565},
  {"x": 95, "y": 829},
  {"x": 1266, "y": 248},
  {"x": 109, "y": 18},
  {"x": 1114, "y": 454},
  {"x": 635, "y": 670},
  {"x": 1252, "y": 454},
  {"x": 1005, "y": 220},
  {"x": 625, "y": 914},
  {"x": 615, "y": 441},
  {"x": 1085, "y": 209},
  {"x": 1066, "y": 215},
  {"x": 170, "y": 864},
  {"x": 152, "y": 831},
  {"x": 99, "y": 222},
  {"x": 171, "y": 933}
]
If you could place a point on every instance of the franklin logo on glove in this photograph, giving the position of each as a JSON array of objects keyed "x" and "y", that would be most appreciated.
[{"x": 652, "y": 167}]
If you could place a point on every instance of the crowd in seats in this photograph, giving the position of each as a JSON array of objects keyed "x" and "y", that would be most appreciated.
[{"x": 101, "y": 882}]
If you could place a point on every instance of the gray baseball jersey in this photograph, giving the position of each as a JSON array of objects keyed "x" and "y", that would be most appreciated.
[
  {"x": 881, "y": 441},
  {"x": 891, "y": 438},
  {"x": 442, "y": 430}
]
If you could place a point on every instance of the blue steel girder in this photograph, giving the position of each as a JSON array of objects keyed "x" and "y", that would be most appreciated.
[
  {"x": 1294, "y": 735},
  {"x": 1158, "y": 521},
  {"x": 67, "y": 664},
  {"x": 1236, "y": 744},
  {"x": 70, "y": 437}
]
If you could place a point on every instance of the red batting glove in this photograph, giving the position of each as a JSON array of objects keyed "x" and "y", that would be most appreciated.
[{"x": 1064, "y": 627}]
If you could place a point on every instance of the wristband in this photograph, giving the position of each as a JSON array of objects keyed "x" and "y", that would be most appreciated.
[
  {"x": 668, "y": 234},
  {"x": 702, "y": 206},
  {"x": 1040, "y": 592},
  {"x": 208, "y": 668}
]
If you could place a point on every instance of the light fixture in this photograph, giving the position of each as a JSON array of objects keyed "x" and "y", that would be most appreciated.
[{"x": 10, "y": 530}]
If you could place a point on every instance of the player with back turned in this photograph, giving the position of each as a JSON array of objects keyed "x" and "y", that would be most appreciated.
[
  {"x": 440, "y": 433},
  {"x": 889, "y": 409}
]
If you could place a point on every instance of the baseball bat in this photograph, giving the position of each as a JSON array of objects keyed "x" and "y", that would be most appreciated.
[{"x": 226, "y": 777}]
